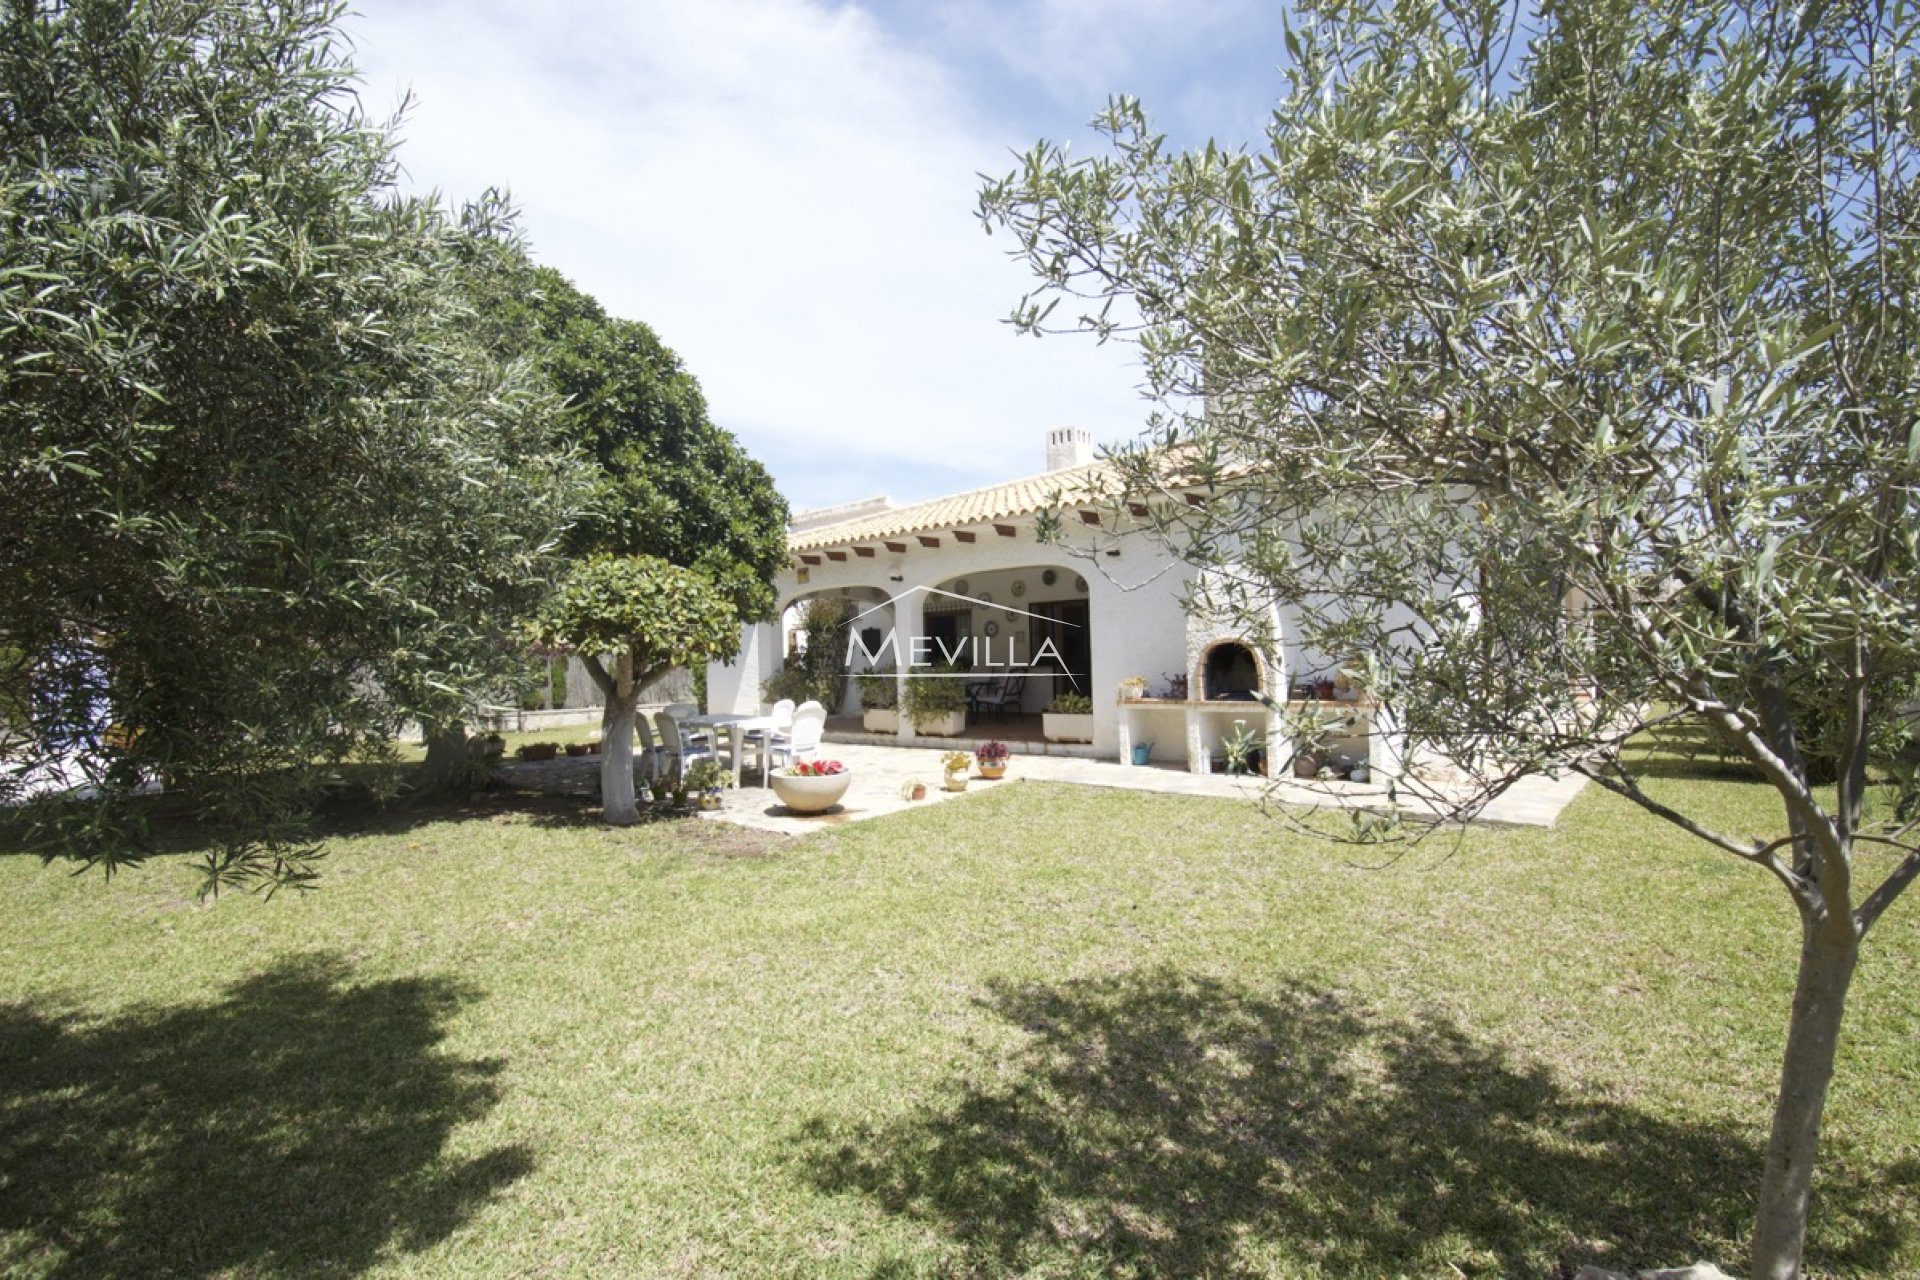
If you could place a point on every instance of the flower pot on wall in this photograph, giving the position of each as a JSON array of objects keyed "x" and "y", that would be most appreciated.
[{"x": 1060, "y": 727}]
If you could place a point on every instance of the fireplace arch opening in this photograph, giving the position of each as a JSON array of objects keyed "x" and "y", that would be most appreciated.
[{"x": 1230, "y": 673}]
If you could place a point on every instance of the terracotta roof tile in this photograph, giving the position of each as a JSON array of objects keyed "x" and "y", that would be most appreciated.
[{"x": 977, "y": 506}]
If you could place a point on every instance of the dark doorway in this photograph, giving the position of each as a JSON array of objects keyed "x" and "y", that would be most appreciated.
[
  {"x": 1062, "y": 643},
  {"x": 947, "y": 636}
]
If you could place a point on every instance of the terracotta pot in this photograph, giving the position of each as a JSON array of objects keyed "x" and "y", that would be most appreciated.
[
  {"x": 576, "y": 749},
  {"x": 539, "y": 751}
]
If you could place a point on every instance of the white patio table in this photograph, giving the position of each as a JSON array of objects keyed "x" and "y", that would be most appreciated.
[{"x": 737, "y": 728}]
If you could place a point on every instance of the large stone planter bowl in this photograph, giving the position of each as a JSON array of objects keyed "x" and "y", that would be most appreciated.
[{"x": 810, "y": 795}]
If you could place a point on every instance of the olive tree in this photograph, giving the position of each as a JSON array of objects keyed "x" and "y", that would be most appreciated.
[
  {"x": 1569, "y": 379},
  {"x": 263, "y": 489},
  {"x": 651, "y": 616}
]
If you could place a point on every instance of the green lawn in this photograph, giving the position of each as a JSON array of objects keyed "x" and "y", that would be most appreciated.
[{"x": 1041, "y": 1028}]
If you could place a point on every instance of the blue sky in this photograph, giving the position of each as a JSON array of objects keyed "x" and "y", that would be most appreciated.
[{"x": 785, "y": 190}]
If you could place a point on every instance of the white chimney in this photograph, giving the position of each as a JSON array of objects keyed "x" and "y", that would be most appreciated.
[{"x": 1068, "y": 447}]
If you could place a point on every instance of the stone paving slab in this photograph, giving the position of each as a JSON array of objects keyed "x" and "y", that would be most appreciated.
[{"x": 881, "y": 773}]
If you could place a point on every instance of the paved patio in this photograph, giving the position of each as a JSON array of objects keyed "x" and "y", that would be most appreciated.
[{"x": 880, "y": 774}]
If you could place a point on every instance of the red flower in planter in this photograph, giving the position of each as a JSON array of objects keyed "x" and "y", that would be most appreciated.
[{"x": 817, "y": 768}]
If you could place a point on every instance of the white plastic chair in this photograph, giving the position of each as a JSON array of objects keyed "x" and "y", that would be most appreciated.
[
  {"x": 809, "y": 722},
  {"x": 675, "y": 748},
  {"x": 680, "y": 711},
  {"x": 649, "y": 753},
  {"x": 764, "y": 741}
]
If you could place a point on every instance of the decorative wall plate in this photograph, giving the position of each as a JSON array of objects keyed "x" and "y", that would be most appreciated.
[
  {"x": 1080, "y": 585},
  {"x": 992, "y": 628},
  {"x": 1048, "y": 578},
  {"x": 1019, "y": 587},
  {"x": 985, "y": 597},
  {"x": 960, "y": 587}
]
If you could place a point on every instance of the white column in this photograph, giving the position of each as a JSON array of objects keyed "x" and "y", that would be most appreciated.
[{"x": 909, "y": 616}]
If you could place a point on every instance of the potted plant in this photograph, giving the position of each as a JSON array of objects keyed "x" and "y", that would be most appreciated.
[
  {"x": 576, "y": 749},
  {"x": 1068, "y": 718},
  {"x": 707, "y": 778},
  {"x": 493, "y": 746},
  {"x": 1246, "y": 752},
  {"x": 956, "y": 764},
  {"x": 935, "y": 705},
  {"x": 811, "y": 786},
  {"x": 879, "y": 699},
  {"x": 992, "y": 758},
  {"x": 915, "y": 790},
  {"x": 1133, "y": 688},
  {"x": 539, "y": 750}
]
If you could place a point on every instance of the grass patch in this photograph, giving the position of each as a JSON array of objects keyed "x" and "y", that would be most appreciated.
[{"x": 1044, "y": 1029}]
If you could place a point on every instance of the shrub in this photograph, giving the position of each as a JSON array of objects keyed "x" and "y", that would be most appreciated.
[
  {"x": 1071, "y": 704},
  {"x": 878, "y": 689},
  {"x": 931, "y": 699}
]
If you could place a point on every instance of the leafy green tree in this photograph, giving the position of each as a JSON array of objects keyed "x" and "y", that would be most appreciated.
[
  {"x": 669, "y": 482},
  {"x": 260, "y": 484},
  {"x": 1571, "y": 382},
  {"x": 652, "y": 616}
]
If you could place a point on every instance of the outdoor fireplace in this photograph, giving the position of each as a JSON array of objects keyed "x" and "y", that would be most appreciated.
[
  {"x": 1231, "y": 673},
  {"x": 1225, "y": 663}
]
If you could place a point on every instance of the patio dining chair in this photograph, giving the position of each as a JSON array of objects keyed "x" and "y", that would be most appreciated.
[
  {"x": 648, "y": 753},
  {"x": 1000, "y": 696},
  {"x": 676, "y": 750},
  {"x": 803, "y": 742},
  {"x": 681, "y": 711},
  {"x": 764, "y": 741}
]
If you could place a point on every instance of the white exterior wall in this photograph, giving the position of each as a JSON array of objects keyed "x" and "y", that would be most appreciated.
[
  {"x": 733, "y": 688},
  {"x": 1133, "y": 607}
]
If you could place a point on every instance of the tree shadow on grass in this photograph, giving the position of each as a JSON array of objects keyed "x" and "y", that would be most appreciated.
[
  {"x": 296, "y": 1126},
  {"x": 1163, "y": 1124}
]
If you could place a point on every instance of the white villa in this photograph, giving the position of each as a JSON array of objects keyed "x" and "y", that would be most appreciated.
[{"x": 968, "y": 574}]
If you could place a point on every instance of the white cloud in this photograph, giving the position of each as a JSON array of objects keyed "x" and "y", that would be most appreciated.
[{"x": 786, "y": 194}]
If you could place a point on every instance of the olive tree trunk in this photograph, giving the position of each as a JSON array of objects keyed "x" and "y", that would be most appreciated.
[
  {"x": 1829, "y": 949},
  {"x": 447, "y": 754}
]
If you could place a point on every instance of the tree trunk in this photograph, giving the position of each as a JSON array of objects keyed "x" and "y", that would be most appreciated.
[
  {"x": 617, "y": 804},
  {"x": 447, "y": 754},
  {"x": 1828, "y": 952}
]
